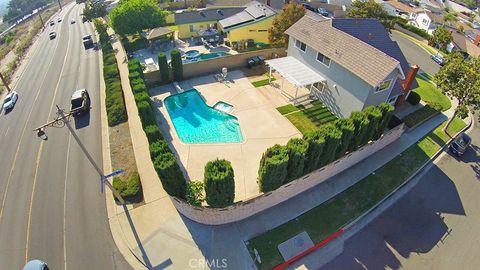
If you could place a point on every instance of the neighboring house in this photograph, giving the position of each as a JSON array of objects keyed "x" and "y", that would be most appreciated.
[
  {"x": 354, "y": 63},
  {"x": 400, "y": 9},
  {"x": 251, "y": 23},
  {"x": 464, "y": 44},
  {"x": 193, "y": 23},
  {"x": 423, "y": 20}
]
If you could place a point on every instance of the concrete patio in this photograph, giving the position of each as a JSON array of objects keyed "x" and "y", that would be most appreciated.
[{"x": 261, "y": 124}]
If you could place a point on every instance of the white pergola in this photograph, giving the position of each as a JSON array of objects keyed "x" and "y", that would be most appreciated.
[{"x": 297, "y": 73}]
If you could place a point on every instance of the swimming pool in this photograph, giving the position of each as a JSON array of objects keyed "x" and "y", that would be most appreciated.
[
  {"x": 190, "y": 56},
  {"x": 196, "y": 122}
]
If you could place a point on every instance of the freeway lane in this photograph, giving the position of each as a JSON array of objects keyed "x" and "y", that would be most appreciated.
[{"x": 53, "y": 209}]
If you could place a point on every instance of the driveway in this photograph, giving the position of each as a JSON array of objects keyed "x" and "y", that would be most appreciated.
[
  {"x": 434, "y": 226},
  {"x": 415, "y": 54}
]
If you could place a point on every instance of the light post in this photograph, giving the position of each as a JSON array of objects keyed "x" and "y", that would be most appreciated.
[{"x": 63, "y": 119}]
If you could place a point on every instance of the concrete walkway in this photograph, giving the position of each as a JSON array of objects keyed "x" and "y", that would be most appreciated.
[{"x": 159, "y": 237}]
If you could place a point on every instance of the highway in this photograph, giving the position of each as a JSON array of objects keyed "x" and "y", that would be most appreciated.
[{"x": 51, "y": 207}]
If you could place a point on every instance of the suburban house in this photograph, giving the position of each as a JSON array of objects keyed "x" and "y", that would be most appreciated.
[
  {"x": 348, "y": 64},
  {"x": 397, "y": 8},
  {"x": 195, "y": 23},
  {"x": 424, "y": 20},
  {"x": 463, "y": 44},
  {"x": 251, "y": 23}
]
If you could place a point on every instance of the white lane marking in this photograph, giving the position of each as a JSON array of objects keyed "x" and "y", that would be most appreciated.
[
  {"x": 8, "y": 128},
  {"x": 39, "y": 154},
  {"x": 65, "y": 206}
]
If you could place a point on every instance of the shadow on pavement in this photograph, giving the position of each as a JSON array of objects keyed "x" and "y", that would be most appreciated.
[
  {"x": 82, "y": 121},
  {"x": 412, "y": 225}
]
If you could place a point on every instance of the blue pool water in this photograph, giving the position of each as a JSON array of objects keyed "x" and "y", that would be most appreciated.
[{"x": 196, "y": 122}]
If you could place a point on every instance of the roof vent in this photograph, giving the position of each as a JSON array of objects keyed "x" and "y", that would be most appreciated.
[
  {"x": 202, "y": 13},
  {"x": 219, "y": 12},
  {"x": 370, "y": 36}
]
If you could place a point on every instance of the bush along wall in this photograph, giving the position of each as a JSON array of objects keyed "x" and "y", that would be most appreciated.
[
  {"x": 333, "y": 137},
  {"x": 316, "y": 143},
  {"x": 387, "y": 112},
  {"x": 164, "y": 160},
  {"x": 273, "y": 168},
  {"x": 346, "y": 126},
  {"x": 297, "y": 151},
  {"x": 219, "y": 183},
  {"x": 361, "y": 122},
  {"x": 177, "y": 65},
  {"x": 114, "y": 100},
  {"x": 131, "y": 189},
  {"x": 374, "y": 116},
  {"x": 163, "y": 66}
]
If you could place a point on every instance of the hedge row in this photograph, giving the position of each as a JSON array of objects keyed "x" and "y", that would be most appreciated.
[
  {"x": 413, "y": 29},
  {"x": 282, "y": 164},
  {"x": 164, "y": 160},
  {"x": 114, "y": 100}
]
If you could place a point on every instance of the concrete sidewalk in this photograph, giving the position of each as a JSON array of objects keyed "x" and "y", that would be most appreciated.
[{"x": 159, "y": 237}]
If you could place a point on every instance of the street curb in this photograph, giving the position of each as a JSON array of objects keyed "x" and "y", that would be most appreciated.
[{"x": 410, "y": 38}]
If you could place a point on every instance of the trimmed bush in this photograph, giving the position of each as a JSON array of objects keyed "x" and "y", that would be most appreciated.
[
  {"x": 158, "y": 147},
  {"x": 146, "y": 114},
  {"x": 273, "y": 168},
  {"x": 346, "y": 126},
  {"x": 316, "y": 143},
  {"x": 413, "y": 98},
  {"x": 333, "y": 137},
  {"x": 170, "y": 175},
  {"x": 130, "y": 188},
  {"x": 163, "y": 66},
  {"x": 137, "y": 81},
  {"x": 111, "y": 71},
  {"x": 435, "y": 105},
  {"x": 194, "y": 194},
  {"x": 177, "y": 65},
  {"x": 153, "y": 133},
  {"x": 134, "y": 75},
  {"x": 419, "y": 116},
  {"x": 297, "y": 151},
  {"x": 361, "y": 122},
  {"x": 219, "y": 183},
  {"x": 116, "y": 113},
  {"x": 133, "y": 64},
  {"x": 109, "y": 59},
  {"x": 375, "y": 117},
  {"x": 387, "y": 112},
  {"x": 139, "y": 88},
  {"x": 141, "y": 96}
]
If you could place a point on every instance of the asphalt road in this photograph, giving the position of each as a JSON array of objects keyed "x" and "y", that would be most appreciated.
[
  {"x": 50, "y": 204},
  {"x": 415, "y": 54},
  {"x": 434, "y": 226}
]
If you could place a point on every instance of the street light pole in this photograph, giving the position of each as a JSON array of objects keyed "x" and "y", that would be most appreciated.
[
  {"x": 5, "y": 83},
  {"x": 59, "y": 4},
  {"x": 41, "y": 19},
  {"x": 65, "y": 119}
]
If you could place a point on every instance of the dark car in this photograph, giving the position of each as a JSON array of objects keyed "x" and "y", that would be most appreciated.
[
  {"x": 323, "y": 12},
  {"x": 439, "y": 59},
  {"x": 460, "y": 144},
  {"x": 307, "y": 6},
  {"x": 87, "y": 41},
  {"x": 80, "y": 102}
]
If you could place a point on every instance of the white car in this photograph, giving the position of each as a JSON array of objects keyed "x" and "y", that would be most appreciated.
[
  {"x": 10, "y": 100},
  {"x": 35, "y": 265},
  {"x": 52, "y": 35},
  {"x": 72, "y": 21}
]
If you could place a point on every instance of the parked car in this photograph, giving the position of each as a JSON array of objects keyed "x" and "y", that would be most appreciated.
[
  {"x": 87, "y": 41},
  {"x": 307, "y": 6},
  {"x": 439, "y": 59},
  {"x": 72, "y": 21},
  {"x": 323, "y": 12},
  {"x": 460, "y": 144},
  {"x": 10, "y": 100},
  {"x": 35, "y": 265},
  {"x": 80, "y": 102},
  {"x": 52, "y": 23}
]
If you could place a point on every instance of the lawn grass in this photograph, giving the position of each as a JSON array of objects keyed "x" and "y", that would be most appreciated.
[
  {"x": 306, "y": 119},
  {"x": 431, "y": 94},
  {"x": 419, "y": 116},
  {"x": 328, "y": 217}
]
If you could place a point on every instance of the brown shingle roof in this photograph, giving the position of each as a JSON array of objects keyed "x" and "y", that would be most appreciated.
[
  {"x": 403, "y": 7},
  {"x": 365, "y": 61}
]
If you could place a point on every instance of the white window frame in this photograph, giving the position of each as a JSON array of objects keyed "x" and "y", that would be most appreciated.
[
  {"x": 392, "y": 100},
  {"x": 323, "y": 59},
  {"x": 377, "y": 89},
  {"x": 300, "y": 47}
]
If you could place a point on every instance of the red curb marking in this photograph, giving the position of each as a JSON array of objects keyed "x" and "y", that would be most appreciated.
[{"x": 310, "y": 250}]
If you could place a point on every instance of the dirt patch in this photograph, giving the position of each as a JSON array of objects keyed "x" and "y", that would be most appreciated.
[{"x": 121, "y": 150}]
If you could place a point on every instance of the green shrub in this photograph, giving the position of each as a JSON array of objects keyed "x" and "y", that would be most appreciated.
[
  {"x": 133, "y": 64},
  {"x": 194, "y": 194},
  {"x": 134, "y": 75},
  {"x": 219, "y": 183},
  {"x": 146, "y": 114},
  {"x": 158, "y": 147},
  {"x": 116, "y": 113},
  {"x": 387, "y": 112},
  {"x": 163, "y": 66},
  {"x": 137, "y": 81},
  {"x": 177, "y": 65},
  {"x": 413, "y": 29},
  {"x": 333, "y": 137},
  {"x": 374, "y": 117},
  {"x": 435, "y": 105},
  {"x": 413, "y": 98},
  {"x": 141, "y": 96},
  {"x": 420, "y": 116},
  {"x": 139, "y": 88},
  {"x": 111, "y": 71},
  {"x": 297, "y": 151},
  {"x": 361, "y": 122},
  {"x": 153, "y": 133},
  {"x": 109, "y": 59},
  {"x": 346, "y": 126},
  {"x": 170, "y": 175},
  {"x": 273, "y": 168},
  {"x": 316, "y": 143},
  {"x": 130, "y": 188}
]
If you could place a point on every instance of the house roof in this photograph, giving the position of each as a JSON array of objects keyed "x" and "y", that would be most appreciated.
[
  {"x": 206, "y": 15},
  {"x": 464, "y": 44},
  {"x": 158, "y": 32},
  {"x": 254, "y": 11},
  {"x": 275, "y": 4},
  {"x": 373, "y": 33},
  {"x": 403, "y": 7},
  {"x": 365, "y": 61}
]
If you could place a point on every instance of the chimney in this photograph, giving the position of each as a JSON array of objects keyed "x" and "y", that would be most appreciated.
[
  {"x": 406, "y": 84},
  {"x": 269, "y": 3},
  {"x": 477, "y": 40}
]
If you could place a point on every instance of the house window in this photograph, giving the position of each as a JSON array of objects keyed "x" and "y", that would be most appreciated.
[
  {"x": 192, "y": 28},
  {"x": 384, "y": 85},
  {"x": 425, "y": 22},
  {"x": 323, "y": 59},
  {"x": 300, "y": 45}
]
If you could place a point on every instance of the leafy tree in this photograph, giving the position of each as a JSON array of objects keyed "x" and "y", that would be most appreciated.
[
  {"x": 297, "y": 150},
  {"x": 219, "y": 183},
  {"x": 194, "y": 195},
  {"x": 289, "y": 15},
  {"x": 94, "y": 10},
  {"x": 16, "y": 8},
  {"x": 170, "y": 175},
  {"x": 163, "y": 65},
  {"x": 273, "y": 168},
  {"x": 370, "y": 9},
  {"x": 316, "y": 144},
  {"x": 441, "y": 37},
  {"x": 346, "y": 126},
  {"x": 177, "y": 65},
  {"x": 460, "y": 78},
  {"x": 449, "y": 17},
  {"x": 133, "y": 16}
]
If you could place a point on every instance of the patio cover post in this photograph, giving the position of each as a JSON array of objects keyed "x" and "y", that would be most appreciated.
[
  {"x": 296, "y": 93},
  {"x": 281, "y": 88},
  {"x": 270, "y": 75}
]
